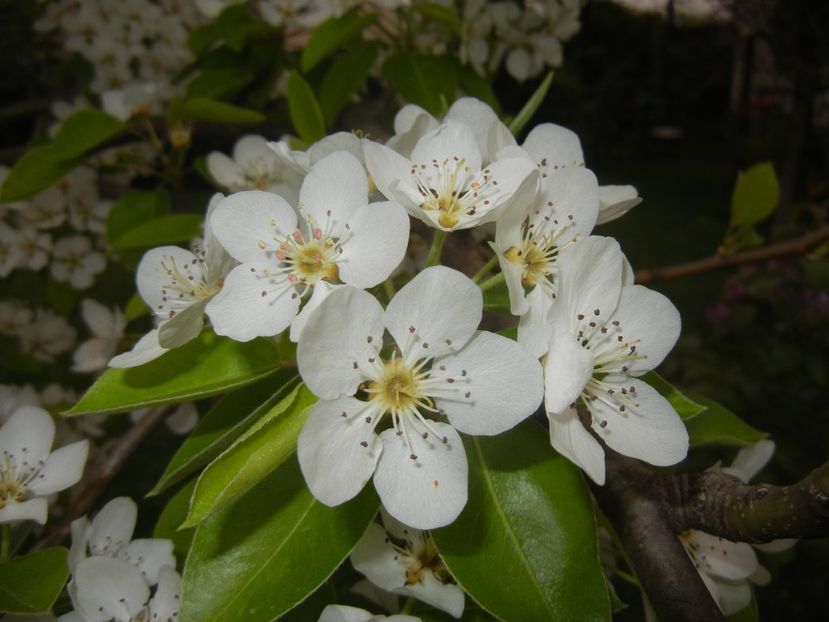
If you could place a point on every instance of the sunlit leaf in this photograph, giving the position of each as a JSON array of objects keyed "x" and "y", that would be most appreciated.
[
  {"x": 304, "y": 109},
  {"x": 756, "y": 194},
  {"x": 525, "y": 545},
  {"x": 718, "y": 425},
  {"x": 684, "y": 406},
  {"x": 200, "y": 368}
]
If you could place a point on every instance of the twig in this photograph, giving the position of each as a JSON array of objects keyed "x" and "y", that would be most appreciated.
[
  {"x": 796, "y": 246},
  {"x": 112, "y": 457}
]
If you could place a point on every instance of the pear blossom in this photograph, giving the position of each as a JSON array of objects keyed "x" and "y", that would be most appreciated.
[
  {"x": 339, "y": 238},
  {"x": 300, "y": 162},
  {"x": 107, "y": 327},
  {"x": 11, "y": 254},
  {"x": 181, "y": 421},
  {"x": 297, "y": 13},
  {"x": 14, "y": 317},
  {"x": 441, "y": 367},
  {"x": 177, "y": 285},
  {"x": 445, "y": 182},
  {"x": 405, "y": 561},
  {"x": 109, "y": 534},
  {"x": 133, "y": 99},
  {"x": 111, "y": 589},
  {"x": 344, "y": 613},
  {"x": 35, "y": 247},
  {"x": 13, "y": 397},
  {"x": 47, "y": 336},
  {"x": 29, "y": 472},
  {"x": 74, "y": 261},
  {"x": 604, "y": 333}
]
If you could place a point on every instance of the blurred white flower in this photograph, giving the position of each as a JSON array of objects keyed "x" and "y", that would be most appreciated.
[
  {"x": 47, "y": 336},
  {"x": 344, "y": 613},
  {"x": 107, "y": 327},
  {"x": 74, "y": 261}
]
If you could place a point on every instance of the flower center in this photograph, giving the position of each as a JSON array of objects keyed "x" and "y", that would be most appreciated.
[
  {"x": 537, "y": 261},
  {"x": 397, "y": 388},
  {"x": 12, "y": 484},
  {"x": 453, "y": 190},
  {"x": 184, "y": 285},
  {"x": 309, "y": 261}
]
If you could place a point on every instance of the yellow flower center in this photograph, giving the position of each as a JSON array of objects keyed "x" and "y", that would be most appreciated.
[{"x": 397, "y": 389}]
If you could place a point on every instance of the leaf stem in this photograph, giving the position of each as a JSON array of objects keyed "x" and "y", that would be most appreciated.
[
  {"x": 407, "y": 606},
  {"x": 492, "y": 282},
  {"x": 437, "y": 246},
  {"x": 388, "y": 288},
  {"x": 485, "y": 269}
]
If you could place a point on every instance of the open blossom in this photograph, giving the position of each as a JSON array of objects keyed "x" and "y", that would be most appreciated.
[
  {"x": 74, "y": 261},
  {"x": 445, "y": 183},
  {"x": 338, "y": 238},
  {"x": 47, "y": 335},
  {"x": 405, "y": 561},
  {"x": 441, "y": 367},
  {"x": 604, "y": 333},
  {"x": 177, "y": 285},
  {"x": 29, "y": 472},
  {"x": 107, "y": 327}
]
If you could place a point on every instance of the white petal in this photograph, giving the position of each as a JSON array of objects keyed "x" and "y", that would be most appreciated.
[
  {"x": 149, "y": 555},
  {"x": 379, "y": 237},
  {"x": 337, "y": 184},
  {"x": 405, "y": 118},
  {"x": 27, "y": 435},
  {"x": 145, "y": 350},
  {"x": 166, "y": 603},
  {"x": 568, "y": 368},
  {"x": 404, "y": 143},
  {"x": 224, "y": 170},
  {"x": 183, "y": 326},
  {"x": 445, "y": 596},
  {"x": 733, "y": 596},
  {"x": 320, "y": 293},
  {"x": 722, "y": 558},
  {"x": 449, "y": 140},
  {"x": 392, "y": 174},
  {"x": 511, "y": 174},
  {"x": 429, "y": 491},
  {"x": 340, "y": 336},
  {"x": 183, "y": 419},
  {"x": 112, "y": 528},
  {"x": 109, "y": 589},
  {"x": 616, "y": 201},
  {"x": 374, "y": 556},
  {"x": 241, "y": 311},
  {"x": 534, "y": 328},
  {"x": 338, "y": 141},
  {"x": 573, "y": 195},
  {"x": 80, "y": 539},
  {"x": 650, "y": 320},
  {"x": 504, "y": 383},
  {"x": 100, "y": 319},
  {"x": 92, "y": 355},
  {"x": 344, "y": 613},
  {"x": 648, "y": 429},
  {"x": 244, "y": 219},
  {"x": 63, "y": 469},
  {"x": 250, "y": 148},
  {"x": 478, "y": 116},
  {"x": 557, "y": 145},
  {"x": 570, "y": 438},
  {"x": 443, "y": 306},
  {"x": 151, "y": 277},
  {"x": 33, "y": 509},
  {"x": 751, "y": 460},
  {"x": 330, "y": 449}
]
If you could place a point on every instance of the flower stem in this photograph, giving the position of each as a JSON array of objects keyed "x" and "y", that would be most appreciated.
[
  {"x": 5, "y": 543},
  {"x": 407, "y": 606},
  {"x": 437, "y": 246},
  {"x": 388, "y": 288},
  {"x": 492, "y": 282},
  {"x": 485, "y": 269}
]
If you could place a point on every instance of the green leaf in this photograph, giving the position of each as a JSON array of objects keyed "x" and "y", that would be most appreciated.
[
  {"x": 160, "y": 231},
  {"x": 716, "y": 425},
  {"x": 684, "y": 406},
  {"x": 345, "y": 76},
  {"x": 527, "y": 534},
  {"x": 304, "y": 109},
  {"x": 214, "y": 111},
  {"x": 530, "y": 108},
  {"x": 84, "y": 130},
  {"x": 134, "y": 208},
  {"x": 202, "y": 38},
  {"x": 441, "y": 14},
  {"x": 429, "y": 81},
  {"x": 218, "y": 81},
  {"x": 136, "y": 307},
  {"x": 234, "y": 414},
  {"x": 171, "y": 517},
  {"x": 35, "y": 171},
  {"x": 260, "y": 556},
  {"x": 32, "y": 583},
  {"x": 496, "y": 299},
  {"x": 205, "y": 366},
  {"x": 235, "y": 24},
  {"x": 331, "y": 34},
  {"x": 756, "y": 194},
  {"x": 252, "y": 457}
]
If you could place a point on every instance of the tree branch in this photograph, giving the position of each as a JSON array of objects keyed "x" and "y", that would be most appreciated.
[{"x": 796, "y": 246}]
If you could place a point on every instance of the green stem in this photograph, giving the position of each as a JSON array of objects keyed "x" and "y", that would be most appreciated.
[
  {"x": 436, "y": 248},
  {"x": 492, "y": 282},
  {"x": 485, "y": 269},
  {"x": 388, "y": 288},
  {"x": 407, "y": 606},
  {"x": 5, "y": 543}
]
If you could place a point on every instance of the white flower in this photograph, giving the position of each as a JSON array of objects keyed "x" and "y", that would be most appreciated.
[
  {"x": 301, "y": 13},
  {"x": 109, "y": 534},
  {"x": 47, "y": 336},
  {"x": 605, "y": 332},
  {"x": 28, "y": 471},
  {"x": 300, "y": 162},
  {"x": 344, "y": 613},
  {"x": 113, "y": 590},
  {"x": 442, "y": 367},
  {"x": 74, "y": 261},
  {"x": 107, "y": 328},
  {"x": 46, "y": 210},
  {"x": 14, "y": 317},
  {"x": 254, "y": 166},
  {"x": 340, "y": 238},
  {"x": 131, "y": 100},
  {"x": 529, "y": 237},
  {"x": 34, "y": 248},
  {"x": 11, "y": 254},
  {"x": 181, "y": 421},
  {"x": 177, "y": 285},
  {"x": 405, "y": 561},
  {"x": 445, "y": 183},
  {"x": 13, "y": 397}
]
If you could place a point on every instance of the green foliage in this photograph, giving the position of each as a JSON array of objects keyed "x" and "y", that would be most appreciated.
[
  {"x": 304, "y": 109},
  {"x": 221, "y": 72},
  {"x": 496, "y": 299},
  {"x": 684, "y": 406},
  {"x": 756, "y": 194},
  {"x": 40, "y": 168},
  {"x": 30, "y": 584},
  {"x": 235, "y": 25},
  {"x": 171, "y": 517},
  {"x": 268, "y": 551},
  {"x": 205, "y": 366},
  {"x": 136, "y": 307},
  {"x": 531, "y": 107},
  {"x": 345, "y": 76},
  {"x": 252, "y": 457},
  {"x": 429, "y": 81},
  {"x": 441, "y": 14},
  {"x": 213, "y": 111},
  {"x": 159, "y": 231},
  {"x": 330, "y": 35},
  {"x": 525, "y": 545},
  {"x": 217, "y": 430},
  {"x": 133, "y": 209}
]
